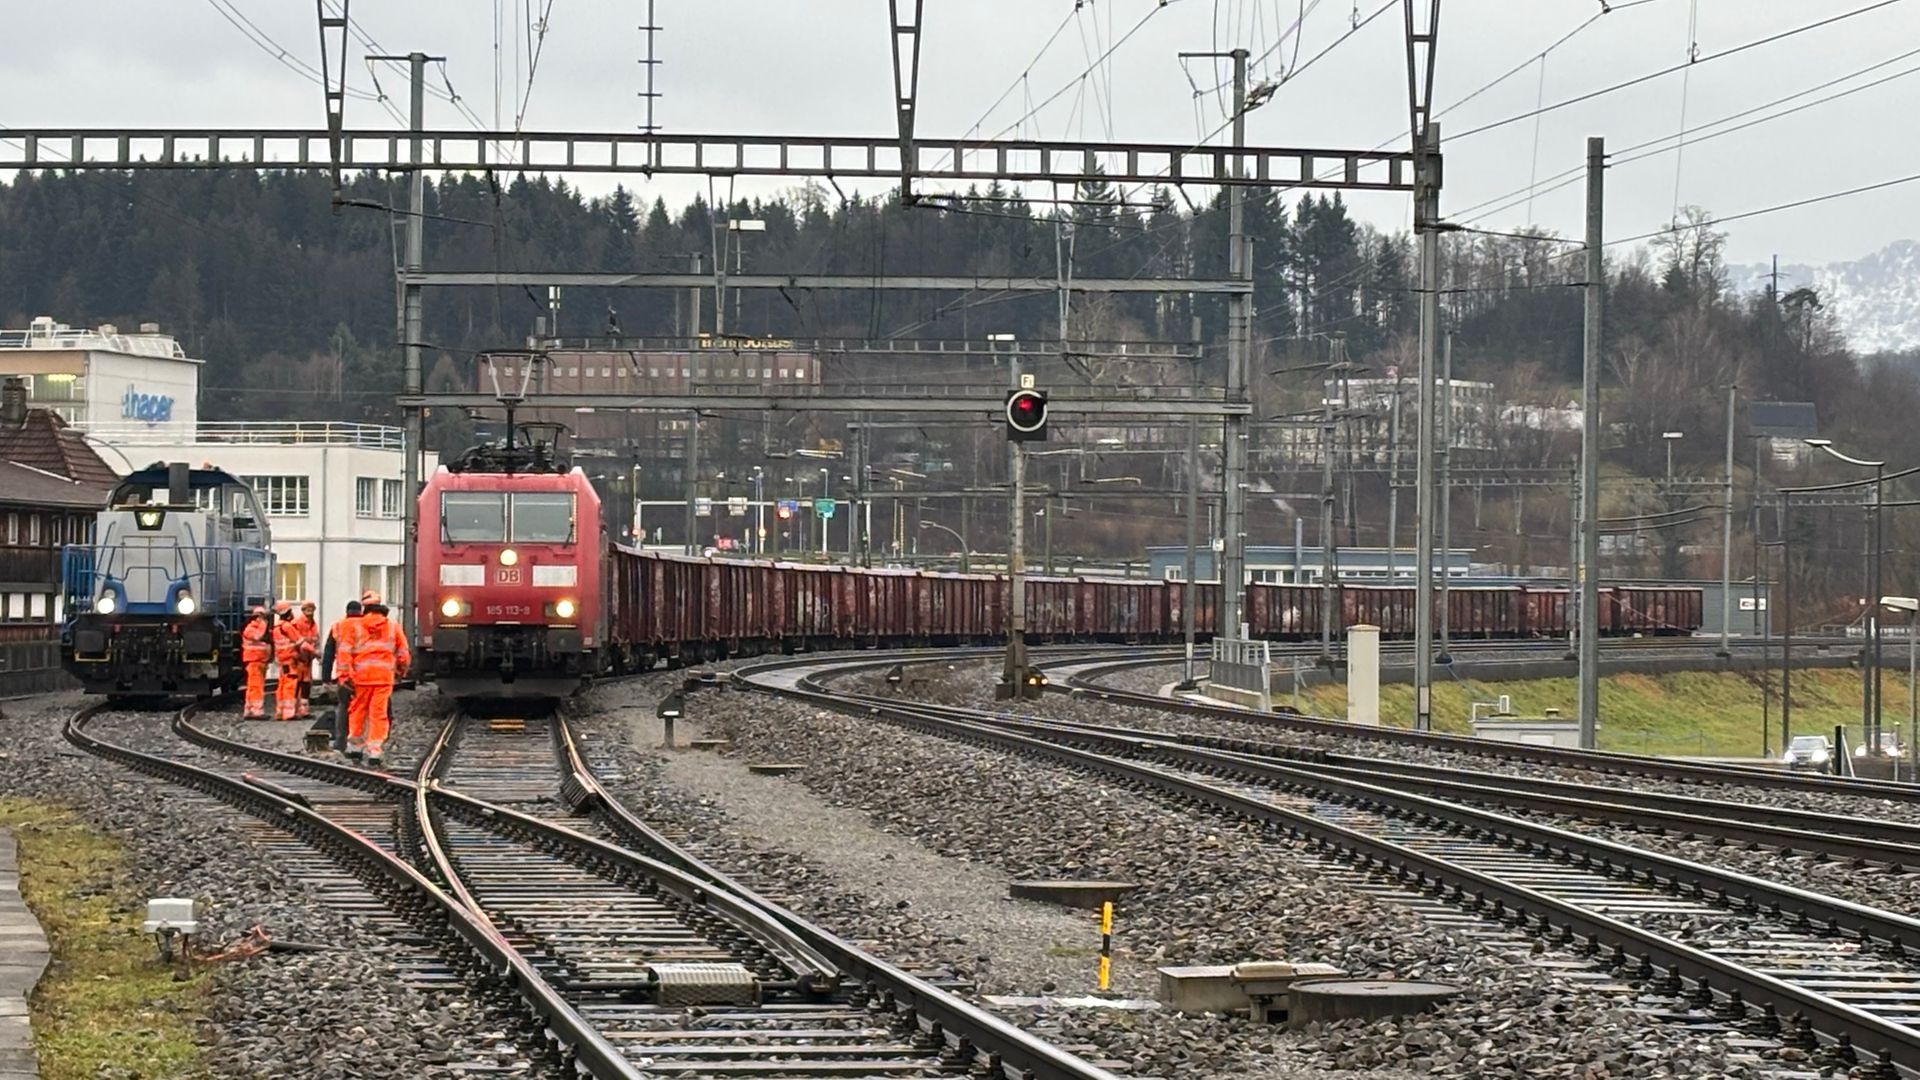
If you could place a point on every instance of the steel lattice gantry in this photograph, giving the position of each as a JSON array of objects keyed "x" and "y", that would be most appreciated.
[{"x": 825, "y": 157}]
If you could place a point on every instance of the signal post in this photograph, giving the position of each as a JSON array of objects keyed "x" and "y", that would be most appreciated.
[{"x": 1026, "y": 416}]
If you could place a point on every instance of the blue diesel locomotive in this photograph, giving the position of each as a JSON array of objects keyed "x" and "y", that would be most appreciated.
[{"x": 155, "y": 604}]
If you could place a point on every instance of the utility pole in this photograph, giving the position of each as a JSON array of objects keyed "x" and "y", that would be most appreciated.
[
  {"x": 1234, "y": 498},
  {"x": 1573, "y": 566},
  {"x": 1444, "y": 493},
  {"x": 1426, "y": 216},
  {"x": 1726, "y": 533},
  {"x": 693, "y": 481},
  {"x": 693, "y": 291},
  {"x": 412, "y": 331},
  {"x": 1590, "y": 450},
  {"x": 1189, "y": 589},
  {"x": 1393, "y": 480},
  {"x": 1329, "y": 570}
]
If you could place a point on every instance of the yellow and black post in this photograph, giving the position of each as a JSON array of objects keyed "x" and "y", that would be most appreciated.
[{"x": 1106, "y": 943}]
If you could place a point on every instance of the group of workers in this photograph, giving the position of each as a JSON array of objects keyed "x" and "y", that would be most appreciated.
[{"x": 365, "y": 653}]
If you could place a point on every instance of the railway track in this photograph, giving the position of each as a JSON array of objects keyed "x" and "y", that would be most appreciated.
[
  {"x": 505, "y": 849},
  {"x": 1772, "y": 960},
  {"x": 1083, "y": 677},
  {"x": 1891, "y": 846}
]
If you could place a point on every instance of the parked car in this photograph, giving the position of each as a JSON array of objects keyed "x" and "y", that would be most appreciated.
[
  {"x": 1808, "y": 752},
  {"x": 1889, "y": 747}
]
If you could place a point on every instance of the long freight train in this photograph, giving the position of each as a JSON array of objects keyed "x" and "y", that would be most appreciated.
[{"x": 522, "y": 593}]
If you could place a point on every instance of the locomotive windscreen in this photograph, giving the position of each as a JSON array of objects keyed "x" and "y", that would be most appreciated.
[
  {"x": 474, "y": 517},
  {"x": 542, "y": 517}
]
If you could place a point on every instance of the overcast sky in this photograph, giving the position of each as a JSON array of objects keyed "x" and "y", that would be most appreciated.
[{"x": 821, "y": 67}]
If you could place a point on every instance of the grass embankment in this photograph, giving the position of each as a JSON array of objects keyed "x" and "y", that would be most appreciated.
[
  {"x": 106, "y": 1006},
  {"x": 1715, "y": 714}
]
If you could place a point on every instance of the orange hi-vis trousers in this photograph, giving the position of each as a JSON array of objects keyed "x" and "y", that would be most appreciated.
[
  {"x": 287, "y": 692},
  {"x": 368, "y": 719},
  {"x": 256, "y": 700}
]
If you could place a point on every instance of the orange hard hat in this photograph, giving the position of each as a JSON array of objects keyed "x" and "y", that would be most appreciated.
[
  {"x": 307, "y": 605},
  {"x": 369, "y": 597},
  {"x": 259, "y": 609},
  {"x": 282, "y": 605}
]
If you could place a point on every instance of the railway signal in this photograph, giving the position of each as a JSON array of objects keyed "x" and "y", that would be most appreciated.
[{"x": 1027, "y": 415}]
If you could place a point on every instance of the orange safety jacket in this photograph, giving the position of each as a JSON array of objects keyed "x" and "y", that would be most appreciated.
[
  {"x": 309, "y": 636},
  {"x": 254, "y": 645},
  {"x": 380, "y": 654},
  {"x": 286, "y": 643},
  {"x": 339, "y": 654}
]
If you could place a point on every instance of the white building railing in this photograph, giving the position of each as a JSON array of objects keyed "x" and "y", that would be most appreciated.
[
  {"x": 254, "y": 432},
  {"x": 61, "y": 337}
]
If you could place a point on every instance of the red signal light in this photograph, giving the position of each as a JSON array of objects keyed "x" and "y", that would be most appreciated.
[{"x": 1026, "y": 415}]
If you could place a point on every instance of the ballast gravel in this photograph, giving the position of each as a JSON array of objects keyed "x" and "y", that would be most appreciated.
[
  {"x": 1213, "y": 891},
  {"x": 970, "y": 684},
  {"x": 341, "y": 1012}
]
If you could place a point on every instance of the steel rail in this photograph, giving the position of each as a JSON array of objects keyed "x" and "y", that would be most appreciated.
[
  {"x": 1896, "y": 844},
  {"x": 816, "y": 973},
  {"x": 1009, "y": 1052},
  {"x": 1605, "y": 761},
  {"x": 571, "y": 1034},
  {"x": 1878, "y": 1037}
]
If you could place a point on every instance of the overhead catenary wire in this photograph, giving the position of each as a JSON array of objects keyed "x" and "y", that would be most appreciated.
[{"x": 1662, "y": 72}]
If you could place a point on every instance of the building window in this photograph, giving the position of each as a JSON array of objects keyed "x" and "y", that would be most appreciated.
[
  {"x": 37, "y": 607},
  {"x": 290, "y": 581},
  {"x": 364, "y": 493},
  {"x": 280, "y": 496},
  {"x": 16, "y": 606},
  {"x": 13, "y": 527},
  {"x": 33, "y": 529},
  {"x": 390, "y": 498}
]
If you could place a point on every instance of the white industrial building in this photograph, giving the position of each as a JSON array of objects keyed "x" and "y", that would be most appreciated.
[
  {"x": 333, "y": 494},
  {"x": 100, "y": 376}
]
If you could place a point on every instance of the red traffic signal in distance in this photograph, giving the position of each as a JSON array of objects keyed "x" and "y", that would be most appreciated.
[
  {"x": 1026, "y": 415},
  {"x": 783, "y": 512}
]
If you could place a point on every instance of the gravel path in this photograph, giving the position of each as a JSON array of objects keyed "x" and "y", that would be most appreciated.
[
  {"x": 342, "y": 1013},
  {"x": 1213, "y": 891}
]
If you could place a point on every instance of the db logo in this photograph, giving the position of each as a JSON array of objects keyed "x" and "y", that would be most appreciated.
[{"x": 509, "y": 575}]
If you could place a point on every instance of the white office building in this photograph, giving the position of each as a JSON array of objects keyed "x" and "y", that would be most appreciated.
[
  {"x": 333, "y": 494},
  {"x": 98, "y": 377}
]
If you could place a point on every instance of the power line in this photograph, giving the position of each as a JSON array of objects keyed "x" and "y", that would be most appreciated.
[
  {"x": 1649, "y": 76},
  {"x": 1828, "y": 197},
  {"x": 1639, "y": 151},
  {"x": 263, "y": 41}
]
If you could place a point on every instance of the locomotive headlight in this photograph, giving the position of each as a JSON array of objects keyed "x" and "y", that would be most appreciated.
[
  {"x": 185, "y": 605},
  {"x": 564, "y": 609},
  {"x": 509, "y": 557},
  {"x": 105, "y": 605},
  {"x": 450, "y": 607},
  {"x": 150, "y": 519}
]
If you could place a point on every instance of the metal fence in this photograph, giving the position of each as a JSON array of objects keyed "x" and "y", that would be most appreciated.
[
  {"x": 1242, "y": 665},
  {"x": 32, "y": 667}
]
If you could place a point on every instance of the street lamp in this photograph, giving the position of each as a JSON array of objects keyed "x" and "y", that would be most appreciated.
[
  {"x": 1671, "y": 437},
  {"x": 966, "y": 553},
  {"x": 759, "y": 512},
  {"x": 1870, "y": 685},
  {"x": 826, "y": 492},
  {"x": 1910, "y": 605}
]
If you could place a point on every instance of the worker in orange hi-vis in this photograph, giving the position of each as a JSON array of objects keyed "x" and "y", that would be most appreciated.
[
  {"x": 256, "y": 648},
  {"x": 380, "y": 658},
  {"x": 309, "y": 628},
  {"x": 336, "y": 667},
  {"x": 286, "y": 653}
]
